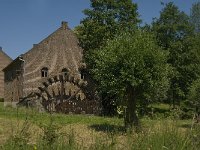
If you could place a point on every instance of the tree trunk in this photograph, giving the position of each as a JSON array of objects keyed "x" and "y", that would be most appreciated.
[
  {"x": 131, "y": 118},
  {"x": 197, "y": 114}
]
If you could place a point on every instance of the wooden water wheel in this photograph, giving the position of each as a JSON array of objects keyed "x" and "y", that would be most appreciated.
[{"x": 66, "y": 94}]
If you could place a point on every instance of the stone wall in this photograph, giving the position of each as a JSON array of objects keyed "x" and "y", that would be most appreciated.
[
  {"x": 4, "y": 61},
  {"x": 13, "y": 82},
  {"x": 58, "y": 51}
]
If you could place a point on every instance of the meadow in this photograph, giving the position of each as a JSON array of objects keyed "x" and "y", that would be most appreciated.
[{"x": 25, "y": 129}]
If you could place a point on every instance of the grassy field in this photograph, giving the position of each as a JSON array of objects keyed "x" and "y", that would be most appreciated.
[{"x": 27, "y": 129}]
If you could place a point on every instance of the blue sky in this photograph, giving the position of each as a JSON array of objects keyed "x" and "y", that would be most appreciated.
[{"x": 26, "y": 22}]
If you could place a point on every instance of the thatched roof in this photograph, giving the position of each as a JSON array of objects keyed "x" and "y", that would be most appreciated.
[
  {"x": 61, "y": 48},
  {"x": 4, "y": 59}
]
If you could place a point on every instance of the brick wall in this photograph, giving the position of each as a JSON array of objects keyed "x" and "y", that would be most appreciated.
[
  {"x": 13, "y": 81},
  {"x": 58, "y": 51},
  {"x": 4, "y": 61}
]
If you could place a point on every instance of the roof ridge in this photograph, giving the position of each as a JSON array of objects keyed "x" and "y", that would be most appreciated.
[
  {"x": 1, "y": 51},
  {"x": 50, "y": 35}
]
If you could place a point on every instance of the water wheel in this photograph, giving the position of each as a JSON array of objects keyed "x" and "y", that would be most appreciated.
[{"x": 62, "y": 93}]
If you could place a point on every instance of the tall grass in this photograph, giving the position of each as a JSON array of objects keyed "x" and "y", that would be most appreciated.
[
  {"x": 165, "y": 136},
  {"x": 77, "y": 132}
]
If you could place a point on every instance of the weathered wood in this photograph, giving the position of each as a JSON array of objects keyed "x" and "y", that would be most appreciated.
[
  {"x": 56, "y": 78},
  {"x": 4, "y": 61},
  {"x": 63, "y": 96},
  {"x": 45, "y": 84},
  {"x": 51, "y": 81},
  {"x": 61, "y": 78}
]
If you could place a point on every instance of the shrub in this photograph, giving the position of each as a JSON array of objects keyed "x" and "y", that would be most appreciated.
[
  {"x": 20, "y": 139},
  {"x": 1, "y": 99}
]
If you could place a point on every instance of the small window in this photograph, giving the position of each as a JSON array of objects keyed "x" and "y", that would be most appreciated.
[
  {"x": 64, "y": 71},
  {"x": 83, "y": 74},
  {"x": 44, "y": 72},
  {"x": 82, "y": 70}
]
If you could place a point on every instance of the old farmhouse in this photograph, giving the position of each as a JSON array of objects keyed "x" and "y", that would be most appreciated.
[
  {"x": 4, "y": 61},
  {"x": 52, "y": 76}
]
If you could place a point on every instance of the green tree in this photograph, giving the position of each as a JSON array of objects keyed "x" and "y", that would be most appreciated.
[
  {"x": 172, "y": 29},
  {"x": 133, "y": 67},
  {"x": 194, "y": 97},
  {"x": 172, "y": 25},
  {"x": 104, "y": 20},
  {"x": 195, "y": 16}
]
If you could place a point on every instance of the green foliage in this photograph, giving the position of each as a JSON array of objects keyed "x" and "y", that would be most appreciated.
[
  {"x": 166, "y": 136},
  {"x": 50, "y": 133},
  {"x": 154, "y": 134},
  {"x": 175, "y": 33},
  {"x": 185, "y": 58},
  {"x": 43, "y": 118},
  {"x": 195, "y": 16},
  {"x": 137, "y": 61},
  {"x": 172, "y": 25},
  {"x": 194, "y": 96},
  {"x": 20, "y": 139},
  {"x": 189, "y": 72},
  {"x": 1, "y": 100},
  {"x": 195, "y": 135},
  {"x": 132, "y": 66},
  {"x": 104, "y": 20}
]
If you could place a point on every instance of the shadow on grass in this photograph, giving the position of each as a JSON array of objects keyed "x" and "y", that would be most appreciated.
[
  {"x": 186, "y": 126},
  {"x": 160, "y": 110},
  {"x": 108, "y": 128}
]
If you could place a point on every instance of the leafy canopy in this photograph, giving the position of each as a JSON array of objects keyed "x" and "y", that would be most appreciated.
[
  {"x": 104, "y": 20},
  {"x": 172, "y": 25},
  {"x": 135, "y": 61},
  {"x": 195, "y": 16},
  {"x": 173, "y": 30},
  {"x": 194, "y": 95}
]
